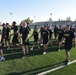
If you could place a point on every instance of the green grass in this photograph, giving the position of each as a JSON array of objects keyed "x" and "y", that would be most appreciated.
[
  {"x": 36, "y": 62},
  {"x": 68, "y": 70}
]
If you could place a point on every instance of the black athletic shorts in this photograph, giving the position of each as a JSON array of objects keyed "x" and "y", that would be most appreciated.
[
  {"x": 15, "y": 39},
  {"x": 59, "y": 39},
  {"x": 25, "y": 43},
  {"x": 3, "y": 37},
  {"x": 55, "y": 34},
  {"x": 7, "y": 38},
  {"x": 50, "y": 36},
  {"x": 68, "y": 47},
  {"x": 45, "y": 41},
  {"x": 35, "y": 39}
]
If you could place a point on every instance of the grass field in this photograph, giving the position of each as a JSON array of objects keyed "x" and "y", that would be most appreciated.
[
  {"x": 69, "y": 70},
  {"x": 36, "y": 62}
]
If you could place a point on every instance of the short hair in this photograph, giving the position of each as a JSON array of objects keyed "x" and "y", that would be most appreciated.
[
  {"x": 14, "y": 22},
  {"x": 3, "y": 24},
  {"x": 45, "y": 25},
  {"x": 68, "y": 25},
  {"x": 27, "y": 23},
  {"x": 7, "y": 23}
]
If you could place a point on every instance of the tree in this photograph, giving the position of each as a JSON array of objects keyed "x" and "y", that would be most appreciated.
[
  {"x": 59, "y": 19},
  {"x": 28, "y": 20},
  {"x": 0, "y": 23},
  {"x": 68, "y": 19}
]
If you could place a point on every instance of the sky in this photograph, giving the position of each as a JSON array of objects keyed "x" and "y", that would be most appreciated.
[{"x": 38, "y": 10}]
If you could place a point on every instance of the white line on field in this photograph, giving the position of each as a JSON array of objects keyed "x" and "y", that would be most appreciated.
[{"x": 51, "y": 70}]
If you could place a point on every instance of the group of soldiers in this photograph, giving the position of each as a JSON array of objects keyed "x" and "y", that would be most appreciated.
[{"x": 43, "y": 36}]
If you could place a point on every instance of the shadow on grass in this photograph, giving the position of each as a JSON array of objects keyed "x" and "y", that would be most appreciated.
[
  {"x": 17, "y": 49},
  {"x": 13, "y": 56},
  {"x": 16, "y": 54},
  {"x": 37, "y": 70},
  {"x": 55, "y": 49}
]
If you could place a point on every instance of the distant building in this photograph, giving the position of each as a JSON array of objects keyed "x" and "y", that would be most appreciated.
[{"x": 53, "y": 23}]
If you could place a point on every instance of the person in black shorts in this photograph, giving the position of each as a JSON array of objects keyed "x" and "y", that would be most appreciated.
[
  {"x": 28, "y": 27},
  {"x": 3, "y": 33},
  {"x": 41, "y": 30},
  {"x": 36, "y": 37},
  {"x": 20, "y": 31},
  {"x": 75, "y": 28},
  {"x": 71, "y": 28},
  {"x": 25, "y": 38},
  {"x": 75, "y": 33},
  {"x": 50, "y": 34},
  {"x": 45, "y": 37},
  {"x": 60, "y": 35},
  {"x": 15, "y": 40},
  {"x": 1, "y": 47},
  {"x": 68, "y": 36},
  {"x": 55, "y": 32},
  {"x": 7, "y": 39}
]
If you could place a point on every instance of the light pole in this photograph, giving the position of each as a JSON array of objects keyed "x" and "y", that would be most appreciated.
[
  {"x": 11, "y": 17},
  {"x": 34, "y": 20},
  {"x": 50, "y": 18}
]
